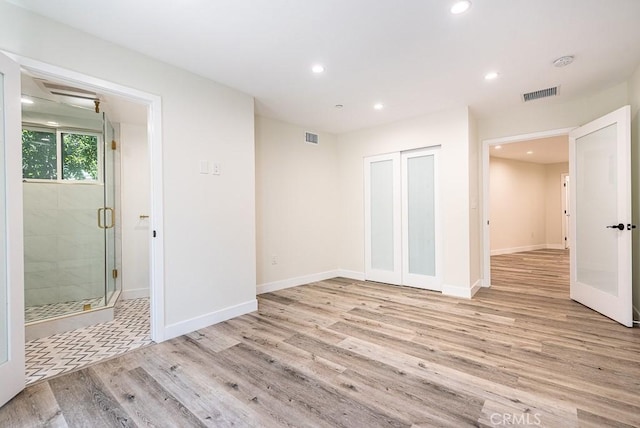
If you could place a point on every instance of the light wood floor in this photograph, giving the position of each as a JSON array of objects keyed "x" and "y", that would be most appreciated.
[{"x": 358, "y": 354}]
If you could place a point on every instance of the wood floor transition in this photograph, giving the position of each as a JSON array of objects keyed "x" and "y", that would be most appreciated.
[{"x": 345, "y": 353}]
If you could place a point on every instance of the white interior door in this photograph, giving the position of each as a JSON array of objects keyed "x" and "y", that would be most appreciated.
[
  {"x": 600, "y": 170},
  {"x": 382, "y": 219},
  {"x": 402, "y": 233},
  {"x": 420, "y": 228},
  {"x": 12, "y": 373}
]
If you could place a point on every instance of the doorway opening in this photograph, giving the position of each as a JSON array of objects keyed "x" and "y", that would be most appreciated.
[
  {"x": 524, "y": 208},
  {"x": 133, "y": 221}
]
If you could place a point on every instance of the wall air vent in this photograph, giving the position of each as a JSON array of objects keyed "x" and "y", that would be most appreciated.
[
  {"x": 542, "y": 93},
  {"x": 311, "y": 138}
]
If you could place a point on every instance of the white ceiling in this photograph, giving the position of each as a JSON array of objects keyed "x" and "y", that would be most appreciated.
[
  {"x": 543, "y": 150},
  {"x": 412, "y": 55}
]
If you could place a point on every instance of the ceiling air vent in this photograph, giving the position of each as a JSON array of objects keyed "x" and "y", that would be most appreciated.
[
  {"x": 542, "y": 93},
  {"x": 311, "y": 138}
]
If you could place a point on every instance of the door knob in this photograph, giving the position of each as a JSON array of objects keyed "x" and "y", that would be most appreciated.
[{"x": 619, "y": 226}]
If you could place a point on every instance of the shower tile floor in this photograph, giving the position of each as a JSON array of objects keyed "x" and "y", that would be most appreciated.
[
  {"x": 52, "y": 310},
  {"x": 50, "y": 356}
]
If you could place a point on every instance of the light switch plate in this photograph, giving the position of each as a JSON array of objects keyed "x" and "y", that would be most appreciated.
[{"x": 204, "y": 167}]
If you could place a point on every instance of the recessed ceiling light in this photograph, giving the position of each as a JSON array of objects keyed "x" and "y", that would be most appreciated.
[
  {"x": 497, "y": 147},
  {"x": 563, "y": 61},
  {"x": 339, "y": 106},
  {"x": 318, "y": 68},
  {"x": 26, "y": 101},
  {"x": 378, "y": 106},
  {"x": 530, "y": 152},
  {"x": 491, "y": 75},
  {"x": 460, "y": 7},
  {"x": 53, "y": 123}
]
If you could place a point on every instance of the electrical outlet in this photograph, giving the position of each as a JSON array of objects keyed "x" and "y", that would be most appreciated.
[{"x": 274, "y": 260}]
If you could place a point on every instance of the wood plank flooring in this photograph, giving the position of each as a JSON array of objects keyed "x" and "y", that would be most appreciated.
[{"x": 344, "y": 353}]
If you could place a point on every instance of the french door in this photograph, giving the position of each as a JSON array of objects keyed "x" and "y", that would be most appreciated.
[
  {"x": 601, "y": 226},
  {"x": 402, "y": 233},
  {"x": 12, "y": 372}
]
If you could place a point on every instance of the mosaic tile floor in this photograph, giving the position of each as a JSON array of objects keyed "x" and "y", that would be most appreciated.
[
  {"x": 61, "y": 353},
  {"x": 52, "y": 310}
]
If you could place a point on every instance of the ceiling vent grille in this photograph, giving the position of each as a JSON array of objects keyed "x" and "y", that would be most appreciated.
[
  {"x": 542, "y": 93},
  {"x": 311, "y": 138}
]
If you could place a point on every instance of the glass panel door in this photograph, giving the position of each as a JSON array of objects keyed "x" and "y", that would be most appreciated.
[
  {"x": 601, "y": 215},
  {"x": 382, "y": 219},
  {"x": 12, "y": 373},
  {"x": 4, "y": 287},
  {"x": 110, "y": 213},
  {"x": 420, "y": 220}
]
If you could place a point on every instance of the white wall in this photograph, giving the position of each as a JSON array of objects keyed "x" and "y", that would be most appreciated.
[
  {"x": 517, "y": 205},
  {"x": 135, "y": 201},
  {"x": 297, "y": 205},
  {"x": 525, "y": 204},
  {"x": 450, "y": 130},
  {"x": 209, "y": 221}
]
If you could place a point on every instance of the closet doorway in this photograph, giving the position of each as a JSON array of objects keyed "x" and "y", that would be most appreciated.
[{"x": 402, "y": 221}]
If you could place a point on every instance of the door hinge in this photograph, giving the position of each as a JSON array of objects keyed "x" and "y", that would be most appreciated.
[
  {"x": 154, "y": 233},
  {"x": 114, "y": 145},
  {"x": 114, "y": 273}
]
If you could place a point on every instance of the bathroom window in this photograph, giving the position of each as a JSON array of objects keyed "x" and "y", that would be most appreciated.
[{"x": 60, "y": 155}]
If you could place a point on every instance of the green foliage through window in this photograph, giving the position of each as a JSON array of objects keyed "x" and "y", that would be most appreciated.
[
  {"x": 39, "y": 155},
  {"x": 79, "y": 156}
]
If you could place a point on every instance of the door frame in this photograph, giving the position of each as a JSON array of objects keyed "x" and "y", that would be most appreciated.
[
  {"x": 154, "y": 135},
  {"x": 486, "y": 230},
  {"x": 565, "y": 179}
]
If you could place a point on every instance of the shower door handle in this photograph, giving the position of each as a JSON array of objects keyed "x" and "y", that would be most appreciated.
[
  {"x": 102, "y": 212},
  {"x": 113, "y": 221},
  {"x": 100, "y": 217}
]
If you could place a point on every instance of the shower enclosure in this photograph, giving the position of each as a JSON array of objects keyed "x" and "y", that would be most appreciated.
[{"x": 69, "y": 210}]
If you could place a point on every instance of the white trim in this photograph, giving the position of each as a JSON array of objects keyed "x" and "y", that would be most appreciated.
[
  {"x": 512, "y": 250},
  {"x": 486, "y": 144},
  {"x": 154, "y": 132},
  {"x": 462, "y": 292},
  {"x": 555, "y": 247},
  {"x": 637, "y": 312},
  {"x": 294, "y": 282},
  {"x": 135, "y": 293},
  {"x": 351, "y": 274},
  {"x": 202, "y": 321}
]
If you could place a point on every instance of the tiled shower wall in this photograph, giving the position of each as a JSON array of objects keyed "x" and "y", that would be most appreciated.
[{"x": 63, "y": 245}]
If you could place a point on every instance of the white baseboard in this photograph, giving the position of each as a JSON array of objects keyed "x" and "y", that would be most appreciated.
[
  {"x": 135, "y": 293},
  {"x": 193, "y": 324},
  {"x": 527, "y": 248},
  {"x": 351, "y": 274},
  {"x": 463, "y": 292},
  {"x": 555, "y": 247},
  {"x": 294, "y": 282},
  {"x": 475, "y": 287}
]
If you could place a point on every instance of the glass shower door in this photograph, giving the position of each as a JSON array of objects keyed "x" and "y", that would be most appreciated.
[{"x": 109, "y": 211}]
